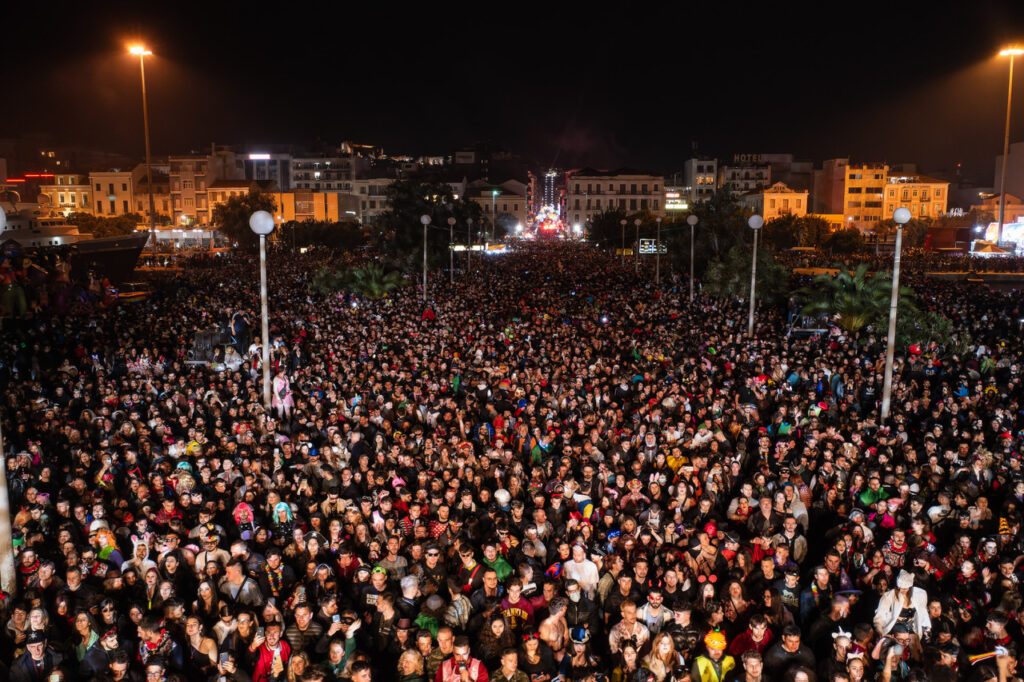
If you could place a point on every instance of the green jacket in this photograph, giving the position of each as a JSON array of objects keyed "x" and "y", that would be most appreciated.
[{"x": 501, "y": 567}]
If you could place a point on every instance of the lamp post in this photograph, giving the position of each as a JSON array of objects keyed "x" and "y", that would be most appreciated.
[
  {"x": 451, "y": 249},
  {"x": 8, "y": 583},
  {"x": 636, "y": 254},
  {"x": 262, "y": 223},
  {"x": 469, "y": 243},
  {"x": 425, "y": 219},
  {"x": 494, "y": 212},
  {"x": 142, "y": 53},
  {"x": 901, "y": 216},
  {"x": 623, "y": 223},
  {"x": 657, "y": 254},
  {"x": 1010, "y": 52},
  {"x": 691, "y": 220},
  {"x": 755, "y": 222}
]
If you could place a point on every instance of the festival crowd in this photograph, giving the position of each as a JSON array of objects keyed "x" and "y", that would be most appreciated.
[{"x": 554, "y": 470}]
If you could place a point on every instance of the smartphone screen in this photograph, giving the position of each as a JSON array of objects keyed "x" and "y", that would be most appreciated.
[{"x": 224, "y": 658}]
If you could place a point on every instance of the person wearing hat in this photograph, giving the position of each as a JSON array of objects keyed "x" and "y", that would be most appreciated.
[
  {"x": 38, "y": 662},
  {"x": 714, "y": 665},
  {"x": 578, "y": 662},
  {"x": 904, "y": 604}
]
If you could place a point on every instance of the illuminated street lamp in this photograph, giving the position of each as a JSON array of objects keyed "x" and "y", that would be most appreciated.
[
  {"x": 901, "y": 216},
  {"x": 691, "y": 220},
  {"x": 1010, "y": 52},
  {"x": 755, "y": 222},
  {"x": 262, "y": 223},
  {"x": 494, "y": 214},
  {"x": 425, "y": 219},
  {"x": 636, "y": 254},
  {"x": 141, "y": 52},
  {"x": 657, "y": 254},
  {"x": 451, "y": 249},
  {"x": 623, "y": 223}
]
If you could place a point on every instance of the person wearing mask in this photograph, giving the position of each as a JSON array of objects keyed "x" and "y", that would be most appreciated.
[{"x": 716, "y": 664}]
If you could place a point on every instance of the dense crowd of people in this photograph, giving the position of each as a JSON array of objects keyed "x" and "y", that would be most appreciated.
[
  {"x": 913, "y": 261},
  {"x": 553, "y": 469}
]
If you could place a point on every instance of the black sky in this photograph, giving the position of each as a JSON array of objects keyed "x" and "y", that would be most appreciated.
[{"x": 570, "y": 85}]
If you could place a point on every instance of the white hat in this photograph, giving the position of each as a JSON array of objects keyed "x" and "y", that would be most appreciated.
[{"x": 905, "y": 580}]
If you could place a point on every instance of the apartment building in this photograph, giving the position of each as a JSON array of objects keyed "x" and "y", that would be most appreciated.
[
  {"x": 505, "y": 203},
  {"x": 69, "y": 193},
  {"x": 590, "y": 192},
  {"x": 700, "y": 178},
  {"x": 746, "y": 173},
  {"x": 863, "y": 195},
  {"x": 923, "y": 196},
  {"x": 113, "y": 191},
  {"x": 191, "y": 177},
  {"x": 777, "y": 200}
]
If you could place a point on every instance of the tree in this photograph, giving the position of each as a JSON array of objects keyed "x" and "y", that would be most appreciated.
[
  {"x": 103, "y": 226},
  {"x": 342, "y": 235},
  {"x": 845, "y": 241},
  {"x": 232, "y": 216},
  {"x": 914, "y": 232},
  {"x": 729, "y": 277},
  {"x": 327, "y": 280},
  {"x": 854, "y": 299},
  {"x": 782, "y": 232},
  {"x": 371, "y": 281},
  {"x": 606, "y": 228},
  {"x": 398, "y": 232},
  {"x": 722, "y": 222}
]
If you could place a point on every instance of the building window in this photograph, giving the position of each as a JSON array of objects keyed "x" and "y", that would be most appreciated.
[
  {"x": 854, "y": 190},
  {"x": 61, "y": 198},
  {"x": 124, "y": 186},
  {"x": 785, "y": 204},
  {"x": 938, "y": 193},
  {"x": 632, "y": 204},
  {"x": 124, "y": 202},
  {"x": 98, "y": 187},
  {"x": 771, "y": 203},
  {"x": 112, "y": 210},
  {"x": 111, "y": 188},
  {"x": 188, "y": 202},
  {"x": 892, "y": 193},
  {"x": 99, "y": 207}
]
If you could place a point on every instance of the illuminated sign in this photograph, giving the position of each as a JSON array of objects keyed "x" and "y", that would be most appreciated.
[
  {"x": 674, "y": 202},
  {"x": 648, "y": 246},
  {"x": 259, "y": 157}
]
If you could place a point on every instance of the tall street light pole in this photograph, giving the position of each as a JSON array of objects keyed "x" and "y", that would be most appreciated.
[
  {"x": 1010, "y": 52},
  {"x": 691, "y": 220},
  {"x": 142, "y": 53},
  {"x": 262, "y": 223},
  {"x": 494, "y": 214},
  {"x": 755, "y": 222},
  {"x": 901, "y": 216},
  {"x": 636, "y": 254},
  {"x": 657, "y": 256},
  {"x": 451, "y": 249},
  {"x": 623, "y": 223},
  {"x": 8, "y": 583},
  {"x": 469, "y": 244},
  {"x": 425, "y": 219}
]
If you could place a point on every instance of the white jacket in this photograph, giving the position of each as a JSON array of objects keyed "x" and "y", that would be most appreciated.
[{"x": 889, "y": 607}]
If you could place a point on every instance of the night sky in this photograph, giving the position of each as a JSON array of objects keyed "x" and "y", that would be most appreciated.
[{"x": 896, "y": 81}]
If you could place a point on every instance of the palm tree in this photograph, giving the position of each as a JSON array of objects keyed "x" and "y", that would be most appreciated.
[
  {"x": 854, "y": 299},
  {"x": 371, "y": 281}
]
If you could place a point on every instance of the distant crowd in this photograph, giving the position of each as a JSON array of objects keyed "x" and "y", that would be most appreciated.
[{"x": 553, "y": 470}]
